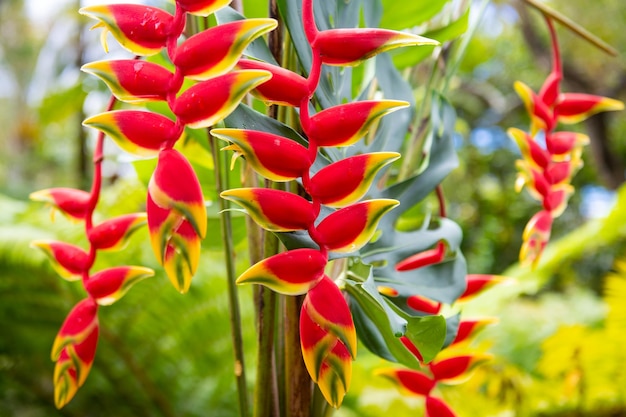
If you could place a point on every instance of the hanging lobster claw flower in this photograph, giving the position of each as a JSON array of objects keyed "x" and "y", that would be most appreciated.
[
  {"x": 285, "y": 88},
  {"x": 477, "y": 283},
  {"x": 291, "y": 273},
  {"x": 350, "y": 228},
  {"x": 575, "y": 107},
  {"x": 423, "y": 304},
  {"x": 143, "y": 30},
  {"x": 69, "y": 201},
  {"x": 328, "y": 340},
  {"x": 353, "y": 46},
  {"x": 131, "y": 80},
  {"x": 109, "y": 285},
  {"x": 113, "y": 234},
  {"x": 562, "y": 144},
  {"x": 274, "y": 157},
  {"x": 531, "y": 151},
  {"x": 208, "y": 102},
  {"x": 215, "y": 51},
  {"x": 175, "y": 186},
  {"x": 274, "y": 210},
  {"x": 356, "y": 173},
  {"x": 202, "y": 7},
  {"x": 410, "y": 382},
  {"x": 456, "y": 368},
  {"x": 73, "y": 350},
  {"x": 140, "y": 133},
  {"x": 436, "y": 407},
  {"x": 345, "y": 124},
  {"x": 175, "y": 243},
  {"x": 69, "y": 261},
  {"x": 468, "y": 328},
  {"x": 541, "y": 115},
  {"x": 424, "y": 258}
]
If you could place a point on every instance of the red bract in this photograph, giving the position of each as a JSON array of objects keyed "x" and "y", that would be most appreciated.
[
  {"x": 138, "y": 132},
  {"x": 352, "y": 46},
  {"x": 79, "y": 324},
  {"x": 436, "y": 407},
  {"x": 346, "y": 181},
  {"x": 208, "y": 102},
  {"x": 113, "y": 234},
  {"x": 202, "y": 7},
  {"x": 410, "y": 381},
  {"x": 345, "y": 124},
  {"x": 576, "y": 107},
  {"x": 109, "y": 285},
  {"x": 454, "y": 368},
  {"x": 412, "y": 348},
  {"x": 423, "y": 304},
  {"x": 292, "y": 273},
  {"x": 143, "y": 30},
  {"x": 215, "y": 51},
  {"x": 425, "y": 258},
  {"x": 468, "y": 328},
  {"x": 274, "y": 210},
  {"x": 69, "y": 201},
  {"x": 477, "y": 283},
  {"x": 132, "y": 80},
  {"x": 285, "y": 88},
  {"x": 328, "y": 339},
  {"x": 275, "y": 157},
  {"x": 70, "y": 261}
]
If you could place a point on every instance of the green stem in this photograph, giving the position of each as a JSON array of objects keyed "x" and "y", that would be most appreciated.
[
  {"x": 573, "y": 26},
  {"x": 265, "y": 394},
  {"x": 221, "y": 182},
  {"x": 298, "y": 385}
]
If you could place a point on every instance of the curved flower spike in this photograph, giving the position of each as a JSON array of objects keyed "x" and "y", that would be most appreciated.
[
  {"x": 356, "y": 173},
  {"x": 215, "y": 51},
  {"x": 175, "y": 244},
  {"x": 468, "y": 328},
  {"x": 541, "y": 115},
  {"x": 109, "y": 285},
  {"x": 143, "y": 30},
  {"x": 113, "y": 234},
  {"x": 477, "y": 283},
  {"x": 328, "y": 340},
  {"x": 131, "y": 80},
  {"x": 175, "y": 186},
  {"x": 353, "y": 46},
  {"x": 69, "y": 261},
  {"x": 436, "y": 407},
  {"x": 285, "y": 88},
  {"x": 345, "y": 124},
  {"x": 69, "y": 201},
  {"x": 291, "y": 273},
  {"x": 350, "y": 228},
  {"x": 425, "y": 258},
  {"x": 423, "y": 304},
  {"x": 575, "y": 107},
  {"x": 78, "y": 325},
  {"x": 210, "y": 101},
  {"x": 140, "y": 133},
  {"x": 202, "y": 7},
  {"x": 531, "y": 151},
  {"x": 456, "y": 368},
  {"x": 560, "y": 144},
  {"x": 274, "y": 210},
  {"x": 410, "y": 381},
  {"x": 535, "y": 237},
  {"x": 274, "y": 157}
]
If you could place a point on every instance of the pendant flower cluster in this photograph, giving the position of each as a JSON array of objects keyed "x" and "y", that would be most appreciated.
[
  {"x": 176, "y": 213},
  {"x": 546, "y": 171},
  {"x": 327, "y": 332}
]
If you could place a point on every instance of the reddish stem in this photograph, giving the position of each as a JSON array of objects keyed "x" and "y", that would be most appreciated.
[{"x": 556, "y": 55}]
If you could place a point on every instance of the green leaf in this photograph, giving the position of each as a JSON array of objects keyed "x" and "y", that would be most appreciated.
[
  {"x": 427, "y": 334},
  {"x": 400, "y": 15}
]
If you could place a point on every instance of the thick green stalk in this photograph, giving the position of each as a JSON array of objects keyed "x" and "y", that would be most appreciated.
[{"x": 221, "y": 182}]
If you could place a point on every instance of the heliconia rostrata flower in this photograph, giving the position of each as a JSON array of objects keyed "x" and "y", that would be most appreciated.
[
  {"x": 546, "y": 171},
  {"x": 327, "y": 331},
  {"x": 176, "y": 212}
]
